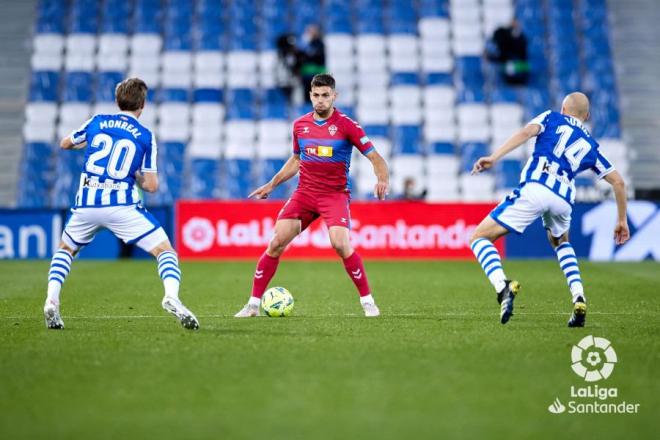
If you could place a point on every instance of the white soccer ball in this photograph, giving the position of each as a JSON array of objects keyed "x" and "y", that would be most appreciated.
[{"x": 277, "y": 302}]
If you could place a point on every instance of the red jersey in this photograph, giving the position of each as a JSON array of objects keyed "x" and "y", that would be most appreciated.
[{"x": 325, "y": 149}]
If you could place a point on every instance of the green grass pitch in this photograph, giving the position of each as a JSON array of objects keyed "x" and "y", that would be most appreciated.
[{"x": 437, "y": 364}]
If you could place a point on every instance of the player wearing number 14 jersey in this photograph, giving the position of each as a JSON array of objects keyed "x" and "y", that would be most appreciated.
[
  {"x": 563, "y": 149},
  {"x": 120, "y": 155}
]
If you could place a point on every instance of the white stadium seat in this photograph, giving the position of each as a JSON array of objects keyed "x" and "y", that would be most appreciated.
[
  {"x": 48, "y": 43},
  {"x": 47, "y": 61},
  {"x": 434, "y": 28},
  {"x": 204, "y": 150},
  {"x": 173, "y": 132},
  {"x": 273, "y": 149},
  {"x": 113, "y": 44},
  {"x": 176, "y": 79},
  {"x": 207, "y": 132},
  {"x": 442, "y": 165},
  {"x": 238, "y": 130},
  {"x": 146, "y": 44},
  {"x": 439, "y": 97},
  {"x": 172, "y": 113},
  {"x": 244, "y": 61},
  {"x": 479, "y": 188},
  {"x": 79, "y": 62},
  {"x": 41, "y": 112},
  {"x": 82, "y": 44},
  {"x": 177, "y": 61},
  {"x": 276, "y": 130},
  {"x": 39, "y": 131},
  {"x": 75, "y": 112},
  {"x": 111, "y": 62},
  {"x": 208, "y": 80},
  {"x": 373, "y": 115},
  {"x": 109, "y": 108},
  {"x": 401, "y": 115},
  {"x": 208, "y": 113},
  {"x": 239, "y": 150},
  {"x": 209, "y": 61}
]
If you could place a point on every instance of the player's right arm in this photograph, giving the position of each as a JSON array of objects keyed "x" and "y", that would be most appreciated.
[
  {"x": 621, "y": 230},
  {"x": 288, "y": 170},
  {"x": 515, "y": 141},
  {"x": 77, "y": 139}
]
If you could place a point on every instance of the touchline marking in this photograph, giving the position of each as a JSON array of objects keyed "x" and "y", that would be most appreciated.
[{"x": 322, "y": 315}]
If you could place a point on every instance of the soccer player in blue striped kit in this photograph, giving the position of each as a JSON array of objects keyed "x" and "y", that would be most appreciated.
[
  {"x": 563, "y": 149},
  {"x": 120, "y": 153}
]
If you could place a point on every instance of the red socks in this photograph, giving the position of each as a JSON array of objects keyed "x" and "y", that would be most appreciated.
[
  {"x": 355, "y": 270},
  {"x": 266, "y": 267}
]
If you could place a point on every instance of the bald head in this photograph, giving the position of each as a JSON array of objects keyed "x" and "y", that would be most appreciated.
[{"x": 576, "y": 104}]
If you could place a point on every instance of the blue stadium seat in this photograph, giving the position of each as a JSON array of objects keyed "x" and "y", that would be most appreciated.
[
  {"x": 78, "y": 86},
  {"x": 442, "y": 148},
  {"x": 404, "y": 78},
  {"x": 203, "y": 178},
  {"x": 438, "y": 78},
  {"x": 377, "y": 130},
  {"x": 208, "y": 95},
  {"x": 238, "y": 178},
  {"x": 507, "y": 174},
  {"x": 171, "y": 94},
  {"x": 105, "y": 85},
  {"x": 407, "y": 140},
  {"x": 44, "y": 86},
  {"x": 470, "y": 152}
]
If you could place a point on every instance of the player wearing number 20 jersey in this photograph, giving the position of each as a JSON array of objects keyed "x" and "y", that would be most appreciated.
[
  {"x": 120, "y": 154},
  {"x": 117, "y": 146}
]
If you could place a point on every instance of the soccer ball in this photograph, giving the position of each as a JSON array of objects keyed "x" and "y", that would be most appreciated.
[{"x": 277, "y": 301}]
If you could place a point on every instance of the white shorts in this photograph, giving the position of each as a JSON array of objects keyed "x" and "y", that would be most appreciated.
[
  {"x": 132, "y": 224},
  {"x": 524, "y": 205}
]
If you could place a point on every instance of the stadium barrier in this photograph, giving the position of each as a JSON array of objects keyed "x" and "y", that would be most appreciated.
[
  {"x": 226, "y": 229},
  {"x": 378, "y": 230}
]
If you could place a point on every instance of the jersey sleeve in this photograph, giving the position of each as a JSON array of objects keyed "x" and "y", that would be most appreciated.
[
  {"x": 358, "y": 137},
  {"x": 80, "y": 135},
  {"x": 541, "y": 120},
  {"x": 150, "y": 157},
  {"x": 602, "y": 167},
  {"x": 295, "y": 145}
]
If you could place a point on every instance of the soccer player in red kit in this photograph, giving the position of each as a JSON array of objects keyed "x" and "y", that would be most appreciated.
[{"x": 323, "y": 141}]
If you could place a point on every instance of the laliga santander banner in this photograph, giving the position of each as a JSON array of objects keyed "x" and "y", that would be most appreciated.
[{"x": 233, "y": 229}]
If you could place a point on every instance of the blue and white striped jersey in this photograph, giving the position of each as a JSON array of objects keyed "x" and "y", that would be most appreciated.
[
  {"x": 117, "y": 147},
  {"x": 563, "y": 149}
]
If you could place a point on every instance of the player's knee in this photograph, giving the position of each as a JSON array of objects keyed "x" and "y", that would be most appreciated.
[
  {"x": 67, "y": 248},
  {"x": 343, "y": 248}
]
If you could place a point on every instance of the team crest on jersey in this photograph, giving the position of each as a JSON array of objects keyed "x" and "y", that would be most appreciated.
[{"x": 332, "y": 129}]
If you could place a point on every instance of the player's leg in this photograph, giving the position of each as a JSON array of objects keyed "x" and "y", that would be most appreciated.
[
  {"x": 135, "y": 225},
  {"x": 285, "y": 231},
  {"x": 335, "y": 210},
  {"x": 514, "y": 214},
  {"x": 340, "y": 240},
  {"x": 557, "y": 224},
  {"x": 79, "y": 231}
]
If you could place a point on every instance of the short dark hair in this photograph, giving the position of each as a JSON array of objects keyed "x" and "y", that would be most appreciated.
[
  {"x": 131, "y": 94},
  {"x": 323, "y": 80}
]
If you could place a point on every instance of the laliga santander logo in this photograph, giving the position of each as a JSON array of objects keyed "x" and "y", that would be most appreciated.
[
  {"x": 593, "y": 358},
  {"x": 198, "y": 234}
]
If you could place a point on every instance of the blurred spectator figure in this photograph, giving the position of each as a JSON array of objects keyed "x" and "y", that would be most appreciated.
[
  {"x": 508, "y": 48},
  {"x": 287, "y": 69},
  {"x": 409, "y": 192},
  {"x": 313, "y": 57}
]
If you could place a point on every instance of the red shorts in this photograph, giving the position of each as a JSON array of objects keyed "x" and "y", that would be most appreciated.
[{"x": 307, "y": 207}]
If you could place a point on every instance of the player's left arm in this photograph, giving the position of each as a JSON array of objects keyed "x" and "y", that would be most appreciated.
[
  {"x": 621, "y": 230},
  {"x": 515, "y": 141},
  {"x": 382, "y": 174}
]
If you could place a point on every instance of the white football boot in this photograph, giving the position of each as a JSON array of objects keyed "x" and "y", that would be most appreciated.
[
  {"x": 370, "y": 310},
  {"x": 185, "y": 316},
  {"x": 52, "y": 316},
  {"x": 248, "y": 311}
]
